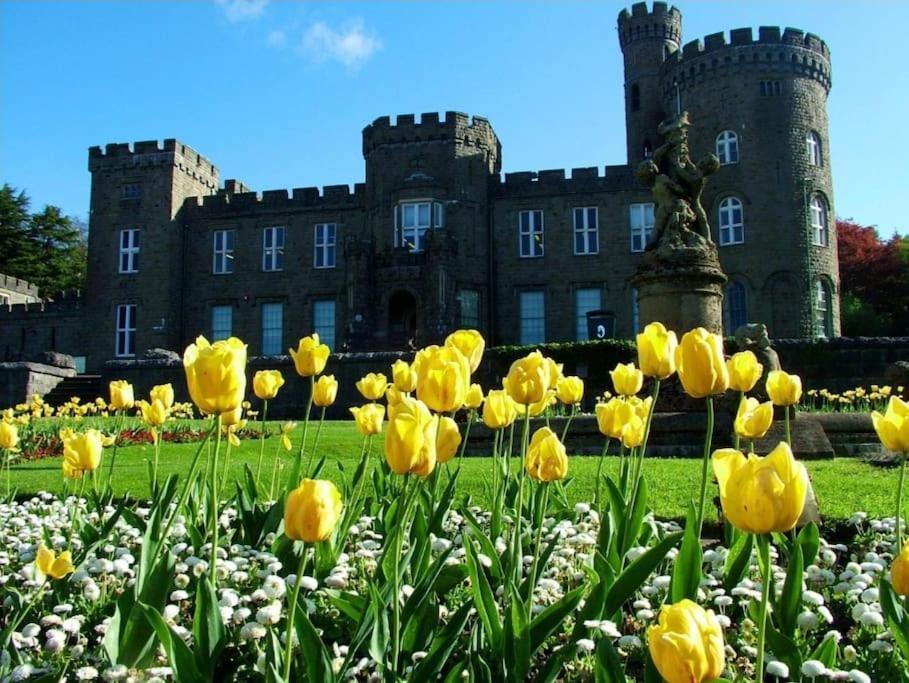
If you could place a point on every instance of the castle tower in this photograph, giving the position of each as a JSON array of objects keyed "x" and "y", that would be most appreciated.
[
  {"x": 760, "y": 104},
  {"x": 647, "y": 38},
  {"x": 135, "y": 270}
]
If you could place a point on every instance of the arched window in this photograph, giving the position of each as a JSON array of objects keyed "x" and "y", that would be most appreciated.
[
  {"x": 815, "y": 151},
  {"x": 735, "y": 307},
  {"x": 732, "y": 225},
  {"x": 727, "y": 147},
  {"x": 823, "y": 310},
  {"x": 820, "y": 227}
]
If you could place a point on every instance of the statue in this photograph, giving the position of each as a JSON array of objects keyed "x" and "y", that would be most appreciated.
[{"x": 753, "y": 337}]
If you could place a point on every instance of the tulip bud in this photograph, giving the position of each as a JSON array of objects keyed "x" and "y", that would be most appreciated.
[
  {"x": 266, "y": 383},
  {"x": 312, "y": 511},
  {"x": 570, "y": 390},
  {"x": 154, "y": 414},
  {"x": 700, "y": 363},
  {"x": 609, "y": 420},
  {"x": 784, "y": 389},
  {"x": 9, "y": 436},
  {"x": 744, "y": 371},
  {"x": 627, "y": 379},
  {"x": 163, "y": 393},
  {"x": 549, "y": 398},
  {"x": 470, "y": 343},
  {"x": 656, "y": 351},
  {"x": 121, "y": 395},
  {"x": 633, "y": 432},
  {"x": 546, "y": 458},
  {"x": 216, "y": 374},
  {"x": 404, "y": 376},
  {"x": 54, "y": 566},
  {"x": 893, "y": 426},
  {"x": 753, "y": 419},
  {"x": 529, "y": 378},
  {"x": 474, "y": 397},
  {"x": 372, "y": 386},
  {"x": 81, "y": 451},
  {"x": 311, "y": 356},
  {"x": 687, "y": 644},
  {"x": 447, "y": 440},
  {"x": 411, "y": 437},
  {"x": 899, "y": 572},
  {"x": 369, "y": 418},
  {"x": 499, "y": 410},
  {"x": 325, "y": 391},
  {"x": 443, "y": 378}
]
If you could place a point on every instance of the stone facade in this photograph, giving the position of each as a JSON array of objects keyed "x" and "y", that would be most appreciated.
[
  {"x": 16, "y": 291},
  {"x": 374, "y": 280}
]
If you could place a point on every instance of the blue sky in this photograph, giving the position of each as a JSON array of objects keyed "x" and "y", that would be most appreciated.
[{"x": 277, "y": 93}]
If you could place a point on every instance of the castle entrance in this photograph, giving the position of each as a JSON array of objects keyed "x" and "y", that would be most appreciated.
[{"x": 402, "y": 319}]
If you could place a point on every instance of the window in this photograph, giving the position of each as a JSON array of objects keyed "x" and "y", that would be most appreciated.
[
  {"x": 132, "y": 191},
  {"x": 222, "y": 318},
  {"x": 125, "y": 344},
  {"x": 533, "y": 318},
  {"x": 469, "y": 299},
  {"x": 79, "y": 362},
  {"x": 273, "y": 248},
  {"x": 815, "y": 152},
  {"x": 820, "y": 229},
  {"x": 635, "y": 313},
  {"x": 585, "y": 300},
  {"x": 641, "y": 216},
  {"x": 223, "y": 257},
  {"x": 735, "y": 310},
  {"x": 732, "y": 226},
  {"x": 272, "y": 329},
  {"x": 586, "y": 235},
  {"x": 727, "y": 147},
  {"x": 129, "y": 250},
  {"x": 413, "y": 219},
  {"x": 530, "y": 234},
  {"x": 324, "y": 245},
  {"x": 323, "y": 321},
  {"x": 770, "y": 88},
  {"x": 822, "y": 310}
]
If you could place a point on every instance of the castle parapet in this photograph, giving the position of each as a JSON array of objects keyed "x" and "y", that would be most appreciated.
[
  {"x": 662, "y": 22},
  {"x": 455, "y": 127},
  {"x": 61, "y": 304},
  {"x": 21, "y": 287},
  {"x": 145, "y": 153},
  {"x": 557, "y": 181},
  {"x": 330, "y": 196}
]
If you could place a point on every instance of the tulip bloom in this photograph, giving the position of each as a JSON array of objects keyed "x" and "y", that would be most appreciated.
[
  {"x": 570, "y": 390},
  {"x": 154, "y": 414},
  {"x": 404, "y": 376},
  {"x": 410, "y": 441},
  {"x": 163, "y": 393},
  {"x": 312, "y": 511},
  {"x": 744, "y": 371},
  {"x": 372, "y": 386},
  {"x": 656, "y": 351},
  {"x": 447, "y": 440},
  {"x": 266, "y": 383},
  {"x": 700, "y": 363},
  {"x": 546, "y": 459},
  {"x": 81, "y": 451},
  {"x": 54, "y": 566},
  {"x": 311, "y": 356},
  {"x": 893, "y": 426},
  {"x": 529, "y": 378},
  {"x": 633, "y": 432},
  {"x": 216, "y": 374},
  {"x": 121, "y": 395},
  {"x": 499, "y": 410},
  {"x": 443, "y": 378},
  {"x": 9, "y": 436},
  {"x": 761, "y": 495},
  {"x": 784, "y": 389},
  {"x": 687, "y": 644},
  {"x": 627, "y": 379},
  {"x": 609, "y": 419},
  {"x": 369, "y": 418},
  {"x": 549, "y": 398},
  {"x": 753, "y": 419},
  {"x": 474, "y": 397},
  {"x": 393, "y": 397},
  {"x": 470, "y": 343},
  {"x": 899, "y": 572},
  {"x": 325, "y": 391}
]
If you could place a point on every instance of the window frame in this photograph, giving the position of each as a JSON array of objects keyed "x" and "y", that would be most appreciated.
[
  {"x": 727, "y": 232},
  {"x": 642, "y": 232},
  {"x": 225, "y": 252},
  {"x": 323, "y": 246},
  {"x": 216, "y": 334},
  {"x": 585, "y": 232},
  {"x": 266, "y": 330},
  {"x": 131, "y": 191},
  {"x": 728, "y": 310},
  {"x": 581, "y": 319},
  {"x": 128, "y": 254},
  {"x": 823, "y": 308},
  {"x": 726, "y": 145},
  {"x": 435, "y": 221},
  {"x": 273, "y": 254},
  {"x": 127, "y": 329},
  {"x": 326, "y": 336},
  {"x": 819, "y": 213},
  {"x": 523, "y": 330},
  {"x": 472, "y": 322},
  {"x": 534, "y": 233},
  {"x": 815, "y": 149}
]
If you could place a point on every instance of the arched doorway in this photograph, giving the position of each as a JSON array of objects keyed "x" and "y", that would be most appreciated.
[{"x": 402, "y": 318}]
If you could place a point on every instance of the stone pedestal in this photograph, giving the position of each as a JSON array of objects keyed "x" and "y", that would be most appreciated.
[{"x": 680, "y": 284}]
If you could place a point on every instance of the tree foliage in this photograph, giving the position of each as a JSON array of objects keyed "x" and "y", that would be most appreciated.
[
  {"x": 45, "y": 248},
  {"x": 874, "y": 280}
]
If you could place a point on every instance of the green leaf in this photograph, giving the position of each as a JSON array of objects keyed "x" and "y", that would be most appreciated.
[
  {"x": 784, "y": 648},
  {"x": 351, "y": 604},
  {"x": 738, "y": 560},
  {"x": 209, "y": 635},
  {"x": 637, "y": 573},
  {"x": 895, "y": 614},
  {"x": 826, "y": 652},
  {"x": 483, "y": 598},
  {"x": 609, "y": 667},
  {"x": 790, "y": 601},
  {"x": 315, "y": 654},
  {"x": 551, "y": 618},
  {"x": 810, "y": 541},
  {"x": 178, "y": 653},
  {"x": 443, "y": 644},
  {"x": 686, "y": 571},
  {"x": 378, "y": 642},
  {"x": 516, "y": 637}
]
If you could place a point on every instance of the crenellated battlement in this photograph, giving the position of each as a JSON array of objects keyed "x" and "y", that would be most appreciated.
[
  {"x": 146, "y": 153},
  {"x": 557, "y": 181},
  {"x": 65, "y": 302},
  {"x": 14, "y": 284},
  {"x": 456, "y": 127},
  {"x": 329, "y": 196},
  {"x": 662, "y": 22},
  {"x": 790, "y": 51}
]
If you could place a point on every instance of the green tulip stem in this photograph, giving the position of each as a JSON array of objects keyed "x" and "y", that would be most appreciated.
[
  {"x": 214, "y": 509},
  {"x": 6, "y": 458},
  {"x": 788, "y": 432},
  {"x": 262, "y": 441},
  {"x": 407, "y": 497},
  {"x": 299, "y": 465},
  {"x": 289, "y": 644},
  {"x": 536, "y": 554},
  {"x": 471, "y": 415},
  {"x": 113, "y": 456},
  {"x": 72, "y": 528},
  {"x": 751, "y": 444},
  {"x": 596, "y": 495},
  {"x": 654, "y": 395},
  {"x": 154, "y": 483},
  {"x": 496, "y": 469},
  {"x": 315, "y": 443},
  {"x": 763, "y": 544},
  {"x": 736, "y": 441},
  {"x": 225, "y": 471},
  {"x": 518, "y": 554},
  {"x": 899, "y": 506},
  {"x": 708, "y": 439},
  {"x": 574, "y": 407}
]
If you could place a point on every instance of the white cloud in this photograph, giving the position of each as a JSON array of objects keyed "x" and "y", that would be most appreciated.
[
  {"x": 351, "y": 44},
  {"x": 242, "y": 10},
  {"x": 276, "y": 38}
]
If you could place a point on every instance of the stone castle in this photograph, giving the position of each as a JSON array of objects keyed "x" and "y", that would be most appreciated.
[{"x": 436, "y": 238}]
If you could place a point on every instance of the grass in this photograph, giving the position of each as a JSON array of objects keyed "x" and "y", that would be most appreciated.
[{"x": 842, "y": 486}]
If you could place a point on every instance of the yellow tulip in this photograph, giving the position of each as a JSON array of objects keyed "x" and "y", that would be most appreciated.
[
  {"x": 163, "y": 393},
  {"x": 499, "y": 410},
  {"x": 393, "y": 396},
  {"x": 627, "y": 379},
  {"x": 81, "y": 451},
  {"x": 286, "y": 429},
  {"x": 570, "y": 390},
  {"x": 404, "y": 376},
  {"x": 639, "y": 406},
  {"x": 372, "y": 386},
  {"x": 54, "y": 566},
  {"x": 369, "y": 418},
  {"x": 546, "y": 458},
  {"x": 744, "y": 371},
  {"x": 410, "y": 440},
  {"x": 700, "y": 363},
  {"x": 760, "y": 495},
  {"x": 266, "y": 383},
  {"x": 443, "y": 378},
  {"x": 474, "y": 397},
  {"x": 656, "y": 351},
  {"x": 609, "y": 419},
  {"x": 470, "y": 343},
  {"x": 893, "y": 426},
  {"x": 154, "y": 414},
  {"x": 312, "y": 511},
  {"x": 899, "y": 572},
  {"x": 232, "y": 417},
  {"x": 9, "y": 436},
  {"x": 529, "y": 378},
  {"x": 753, "y": 419},
  {"x": 121, "y": 395},
  {"x": 216, "y": 374},
  {"x": 325, "y": 391},
  {"x": 311, "y": 356},
  {"x": 447, "y": 440},
  {"x": 555, "y": 373},
  {"x": 687, "y": 644},
  {"x": 633, "y": 432},
  {"x": 535, "y": 409},
  {"x": 784, "y": 389}
]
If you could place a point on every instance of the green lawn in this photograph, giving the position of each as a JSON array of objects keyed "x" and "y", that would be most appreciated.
[{"x": 842, "y": 486}]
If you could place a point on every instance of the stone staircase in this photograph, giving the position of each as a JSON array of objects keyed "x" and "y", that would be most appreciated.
[{"x": 86, "y": 387}]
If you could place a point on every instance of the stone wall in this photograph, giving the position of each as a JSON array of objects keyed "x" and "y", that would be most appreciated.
[{"x": 21, "y": 380}]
